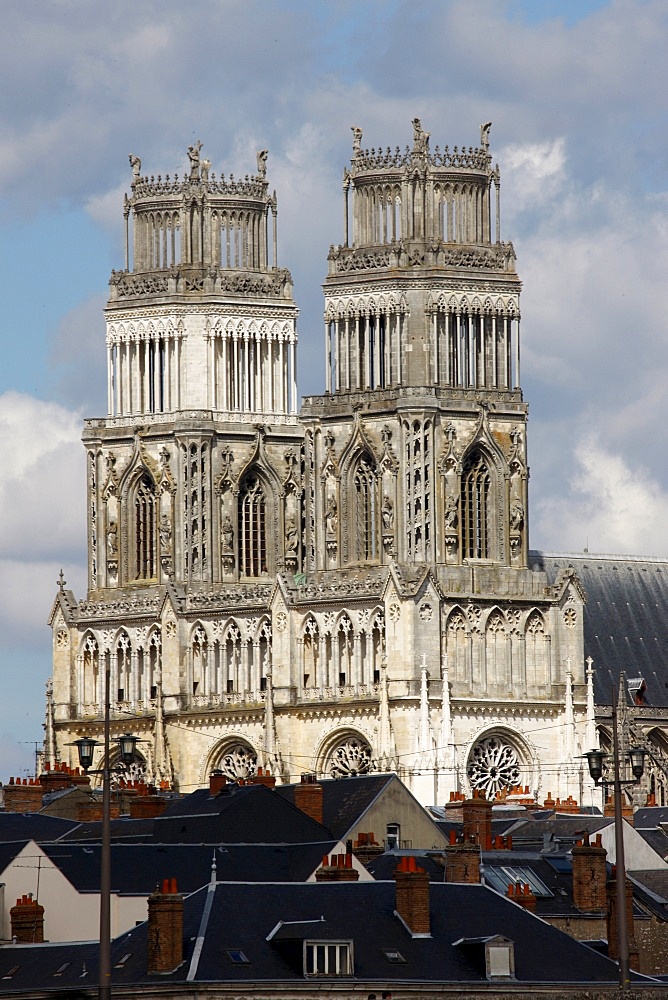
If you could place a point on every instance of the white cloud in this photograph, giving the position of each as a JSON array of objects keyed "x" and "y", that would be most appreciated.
[
  {"x": 536, "y": 173},
  {"x": 607, "y": 505},
  {"x": 42, "y": 489}
]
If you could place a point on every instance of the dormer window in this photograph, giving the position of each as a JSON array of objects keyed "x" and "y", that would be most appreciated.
[
  {"x": 328, "y": 958},
  {"x": 500, "y": 959},
  {"x": 493, "y": 955}
]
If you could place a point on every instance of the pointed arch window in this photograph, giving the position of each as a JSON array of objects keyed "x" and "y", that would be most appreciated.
[
  {"x": 143, "y": 536},
  {"x": 476, "y": 508},
  {"x": 253, "y": 528},
  {"x": 366, "y": 510}
]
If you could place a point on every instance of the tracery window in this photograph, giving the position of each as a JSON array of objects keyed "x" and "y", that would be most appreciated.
[
  {"x": 253, "y": 528},
  {"x": 237, "y": 760},
  {"x": 366, "y": 512},
  {"x": 349, "y": 757},
  {"x": 143, "y": 536},
  {"x": 493, "y": 766},
  {"x": 476, "y": 510}
]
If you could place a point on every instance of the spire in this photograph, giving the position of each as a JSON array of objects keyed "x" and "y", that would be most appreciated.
[
  {"x": 591, "y": 739},
  {"x": 162, "y": 763},
  {"x": 271, "y": 748},
  {"x": 50, "y": 752},
  {"x": 425, "y": 741},
  {"x": 569, "y": 716},
  {"x": 386, "y": 745}
]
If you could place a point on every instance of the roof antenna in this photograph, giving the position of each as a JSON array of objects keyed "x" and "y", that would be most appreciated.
[{"x": 586, "y": 548}]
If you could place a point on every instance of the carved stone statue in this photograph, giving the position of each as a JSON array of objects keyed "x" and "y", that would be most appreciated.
[
  {"x": 291, "y": 535},
  {"x": 357, "y": 138},
  {"x": 206, "y": 167},
  {"x": 112, "y": 540},
  {"x": 387, "y": 514},
  {"x": 135, "y": 163},
  {"x": 227, "y": 533},
  {"x": 193, "y": 156},
  {"x": 450, "y": 516},
  {"x": 420, "y": 137},
  {"x": 516, "y": 514},
  {"x": 165, "y": 531},
  {"x": 484, "y": 135},
  {"x": 331, "y": 516},
  {"x": 262, "y": 162}
]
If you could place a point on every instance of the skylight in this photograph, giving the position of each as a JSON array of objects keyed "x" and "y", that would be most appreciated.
[{"x": 499, "y": 877}]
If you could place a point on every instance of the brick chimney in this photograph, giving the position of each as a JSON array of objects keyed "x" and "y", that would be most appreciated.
[
  {"x": 308, "y": 797},
  {"x": 217, "y": 781},
  {"x": 589, "y": 875},
  {"x": 365, "y": 848},
  {"x": 263, "y": 777},
  {"x": 521, "y": 894},
  {"x": 634, "y": 958},
  {"x": 337, "y": 869},
  {"x": 147, "y": 806},
  {"x": 23, "y": 796},
  {"x": 462, "y": 861},
  {"x": 27, "y": 919},
  {"x": 165, "y": 928},
  {"x": 412, "y": 899},
  {"x": 477, "y": 817}
]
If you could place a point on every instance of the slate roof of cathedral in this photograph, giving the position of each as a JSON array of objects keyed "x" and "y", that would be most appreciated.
[
  {"x": 625, "y": 618},
  {"x": 242, "y": 916},
  {"x": 136, "y": 869}
]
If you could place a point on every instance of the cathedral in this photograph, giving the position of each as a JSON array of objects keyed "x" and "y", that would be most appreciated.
[{"x": 344, "y": 587}]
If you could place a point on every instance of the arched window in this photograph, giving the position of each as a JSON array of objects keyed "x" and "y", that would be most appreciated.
[
  {"x": 143, "y": 535},
  {"x": 366, "y": 512},
  {"x": 476, "y": 508},
  {"x": 252, "y": 528}
]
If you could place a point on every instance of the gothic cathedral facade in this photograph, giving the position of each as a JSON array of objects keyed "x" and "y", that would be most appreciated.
[{"x": 339, "y": 589}]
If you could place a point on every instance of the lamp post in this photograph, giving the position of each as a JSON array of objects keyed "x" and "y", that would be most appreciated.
[
  {"x": 86, "y": 748},
  {"x": 595, "y": 758}
]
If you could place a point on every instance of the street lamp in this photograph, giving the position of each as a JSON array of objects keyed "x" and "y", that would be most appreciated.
[
  {"x": 636, "y": 757},
  {"x": 86, "y": 748}
]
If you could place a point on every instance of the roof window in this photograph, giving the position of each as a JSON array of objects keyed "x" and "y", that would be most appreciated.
[
  {"x": 328, "y": 958},
  {"x": 237, "y": 957},
  {"x": 499, "y": 877}
]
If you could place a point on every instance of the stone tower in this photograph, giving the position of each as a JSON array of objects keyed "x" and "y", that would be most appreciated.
[{"x": 347, "y": 590}]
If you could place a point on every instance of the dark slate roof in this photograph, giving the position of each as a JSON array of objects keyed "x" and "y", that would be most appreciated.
[
  {"x": 657, "y": 839},
  {"x": 562, "y": 829},
  {"x": 123, "y": 829},
  {"x": 33, "y": 826},
  {"x": 345, "y": 800},
  {"x": 625, "y": 618},
  {"x": 136, "y": 869},
  {"x": 241, "y": 917},
  {"x": 250, "y": 814},
  {"x": 651, "y": 888},
  {"x": 650, "y": 816}
]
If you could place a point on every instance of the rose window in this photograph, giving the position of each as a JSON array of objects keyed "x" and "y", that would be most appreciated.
[
  {"x": 350, "y": 758},
  {"x": 238, "y": 761},
  {"x": 493, "y": 766}
]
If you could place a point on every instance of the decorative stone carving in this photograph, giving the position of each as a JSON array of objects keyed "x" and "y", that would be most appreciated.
[
  {"x": 351, "y": 757},
  {"x": 227, "y": 544},
  {"x": 493, "y": 766}
]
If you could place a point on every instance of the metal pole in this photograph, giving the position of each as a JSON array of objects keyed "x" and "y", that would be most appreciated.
[
  {"x": 104, "y": 986},
  {"x": 622, "y": 923}
]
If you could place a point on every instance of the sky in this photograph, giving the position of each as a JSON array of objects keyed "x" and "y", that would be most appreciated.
[{"x": 576, "y": 91}]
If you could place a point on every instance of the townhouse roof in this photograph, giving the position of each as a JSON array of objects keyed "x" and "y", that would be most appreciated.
[
  {"x": 136, "y": 869},
  {"x": 346, "y": 800},
  {"x": 228, "y": 939}
]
